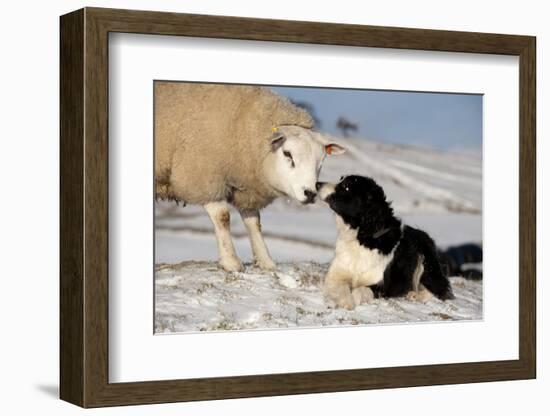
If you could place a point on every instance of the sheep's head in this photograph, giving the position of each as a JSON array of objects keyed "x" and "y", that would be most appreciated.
[{"x": 295, "y": 161}]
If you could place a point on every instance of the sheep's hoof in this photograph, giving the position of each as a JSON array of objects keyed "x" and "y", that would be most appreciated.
[
  {"x": 266, "y": 264},
  {"x": 231, "y": 265}
]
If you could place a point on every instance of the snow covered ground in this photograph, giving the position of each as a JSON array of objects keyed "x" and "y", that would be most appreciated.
[
  {"x": 439, "y": 192},
  {"x": 200, "y": 296}
]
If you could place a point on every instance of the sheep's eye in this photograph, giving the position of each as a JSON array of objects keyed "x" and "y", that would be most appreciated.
[{"x": 289, "y": 157}]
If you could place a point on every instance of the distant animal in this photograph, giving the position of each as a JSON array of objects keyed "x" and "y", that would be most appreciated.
[
  {"x": 345, "y": 126},
  {"x": 376, "y": 255},
  {"x": 462, "y": 260},
  {"x": 222, "y": 145}
]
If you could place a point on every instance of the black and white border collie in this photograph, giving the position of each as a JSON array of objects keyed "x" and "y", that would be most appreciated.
[{"x": 375, "y": 255}]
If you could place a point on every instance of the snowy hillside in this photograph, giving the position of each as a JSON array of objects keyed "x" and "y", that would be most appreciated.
[{"x": 439, "y": 192}]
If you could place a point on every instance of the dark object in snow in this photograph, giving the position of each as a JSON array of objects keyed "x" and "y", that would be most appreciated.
[{"x": 455, "y": 258}]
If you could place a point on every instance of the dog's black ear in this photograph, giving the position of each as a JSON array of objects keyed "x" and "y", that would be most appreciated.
[{"x": 377, "y": 214}]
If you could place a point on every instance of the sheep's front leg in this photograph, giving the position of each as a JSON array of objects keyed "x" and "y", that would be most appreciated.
[
  {"x": 251, "y": 219},
  {"x": 219, "y": 214}
]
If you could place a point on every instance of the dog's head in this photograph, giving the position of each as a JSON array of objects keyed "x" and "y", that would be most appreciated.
[{"x": 358, "y": 200}]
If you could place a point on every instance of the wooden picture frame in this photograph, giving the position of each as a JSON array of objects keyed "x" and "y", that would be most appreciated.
[{"x": 84, "y": 207}]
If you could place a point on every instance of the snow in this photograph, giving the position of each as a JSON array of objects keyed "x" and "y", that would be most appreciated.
[
  {"x": 200, "y": 296},
  {"x": 439, "y": 192}
]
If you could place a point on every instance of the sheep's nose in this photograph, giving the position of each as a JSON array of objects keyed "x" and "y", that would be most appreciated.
[
  {"x": 310, "y": 196},
  {"x": 319, "y": 185}
]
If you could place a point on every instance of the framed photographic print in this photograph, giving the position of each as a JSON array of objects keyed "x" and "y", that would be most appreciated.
[{"x": 256, "y": 207}]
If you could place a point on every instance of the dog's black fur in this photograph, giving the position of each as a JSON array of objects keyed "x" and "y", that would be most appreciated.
[{"x": 362, "y": 204}]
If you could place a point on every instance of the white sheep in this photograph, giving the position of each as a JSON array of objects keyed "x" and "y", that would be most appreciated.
[{"x": 230, "y": 144}]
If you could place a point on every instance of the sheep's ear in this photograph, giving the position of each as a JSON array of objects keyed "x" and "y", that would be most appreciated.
[
  {"x": 334, "y": 149},
  {"x": 277, "y": 140}
]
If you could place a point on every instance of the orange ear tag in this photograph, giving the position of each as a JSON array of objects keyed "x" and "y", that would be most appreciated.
[{"x": 328, "y": 149}]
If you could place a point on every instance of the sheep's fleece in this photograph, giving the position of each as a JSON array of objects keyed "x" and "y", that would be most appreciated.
[{"x": 211, "y": 140}]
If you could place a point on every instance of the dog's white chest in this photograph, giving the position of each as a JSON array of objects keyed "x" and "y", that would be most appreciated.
[{"x": 364, "y": 266}]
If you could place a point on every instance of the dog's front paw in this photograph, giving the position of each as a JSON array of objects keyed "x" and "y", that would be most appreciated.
[
  {"x": 362, "y": 294},
  {"x": 346, "y": 302},
  {"x": 340, "y": 295}
]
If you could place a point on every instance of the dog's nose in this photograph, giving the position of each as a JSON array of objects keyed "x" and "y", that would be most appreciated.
[
  {"x": 310, "y": 196},
  {"x": 319, "y": 185}
]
